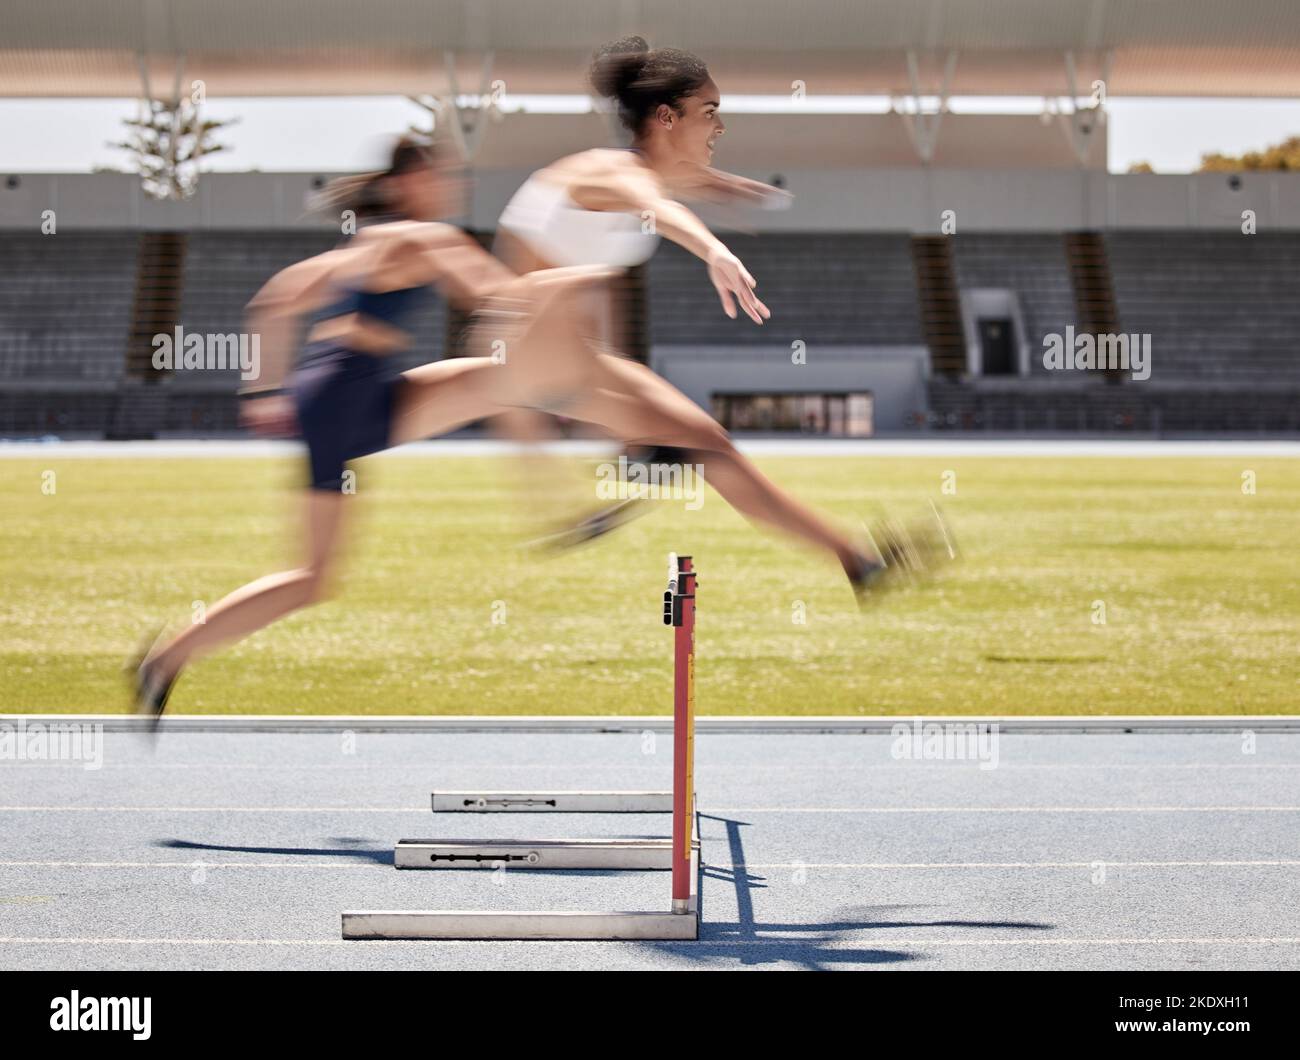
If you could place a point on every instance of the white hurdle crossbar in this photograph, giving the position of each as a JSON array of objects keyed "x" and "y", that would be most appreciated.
[
  {"x": 552, "y": 802},
  {"x": 631, "y": 854}
]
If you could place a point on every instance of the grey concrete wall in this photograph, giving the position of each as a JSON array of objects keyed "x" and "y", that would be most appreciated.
[
  {"x": 903, "y": 199},
  {"x": 895, "y": 375}
]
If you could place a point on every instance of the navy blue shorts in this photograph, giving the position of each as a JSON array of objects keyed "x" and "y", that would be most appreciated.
[{"x": 345, "y": 401}]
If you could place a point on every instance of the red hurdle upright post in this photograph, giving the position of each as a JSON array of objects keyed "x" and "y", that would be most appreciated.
[{"x": 679, "y": 612}]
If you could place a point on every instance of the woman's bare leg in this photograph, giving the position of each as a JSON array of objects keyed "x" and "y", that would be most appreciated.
[
  {"x": 532, "y": 341},
  {"x": 532, "y": 335},
  {"x": 552, "y": 353},
  {"x": 639, "y": 407},
  {"x": 261, "y": 602},
  {"x": 443, "y": 396},
  {"x": 440, "y": 397}
]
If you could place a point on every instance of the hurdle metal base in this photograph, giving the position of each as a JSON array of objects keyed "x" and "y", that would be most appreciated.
[
  {"x": 649, "y": 926},
  {"x": 520, "y": 926},
  {"x": 552, "y": 801},
  {"x": 633, "y": 854}
]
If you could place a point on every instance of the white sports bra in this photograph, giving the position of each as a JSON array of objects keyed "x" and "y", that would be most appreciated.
[{"x": 563, "y": 233}]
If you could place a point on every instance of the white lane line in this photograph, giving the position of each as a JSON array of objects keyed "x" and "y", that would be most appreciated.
[
  {"x": 812, "y": 937},
  {"x": 196, "y": 863},
  {"x": 740, "y": 866},
  {"x": 993, "y": 864},
  {"x": 214, "y": 809},
  {"x": 821, "y": 767},
  {"x": 715, "y": 812},
  {"x": 712, "y": 812}
]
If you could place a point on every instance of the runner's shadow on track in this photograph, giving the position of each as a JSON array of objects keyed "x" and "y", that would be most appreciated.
[
  {"x": 349, "y": 848},
  {"x": 748, "y": 941}
]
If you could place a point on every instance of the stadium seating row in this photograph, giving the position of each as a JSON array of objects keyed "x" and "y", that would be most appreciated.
[{"x": 1220, "y": 307}]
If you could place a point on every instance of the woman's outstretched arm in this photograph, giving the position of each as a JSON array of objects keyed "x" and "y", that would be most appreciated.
[{"x": 630, "y": 188}]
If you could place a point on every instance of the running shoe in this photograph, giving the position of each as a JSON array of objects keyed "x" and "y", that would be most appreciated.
[
  {"x": 603, "y": 520},
  {"x": 590, "y": 527},
  {"x": 150, "y": 689},
  {"x": 907, "y": 553}
]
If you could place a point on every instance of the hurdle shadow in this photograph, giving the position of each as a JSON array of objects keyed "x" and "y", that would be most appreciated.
[
  {"x": 352, "y": 848},
  {"x": 349, "y": 848},
  {"x": 820, "y": 946}
]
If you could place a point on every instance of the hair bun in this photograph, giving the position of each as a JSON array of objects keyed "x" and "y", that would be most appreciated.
[{"x": 615, "y": 66}]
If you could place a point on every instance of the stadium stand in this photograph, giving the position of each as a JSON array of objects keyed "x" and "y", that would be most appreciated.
[
  {"x": 1031, "y": 264},
  {"x": 65, "y": 311},
  {"x": 837, "y": 289},
  {"x": 66, "y": 316},
  {"x": 1219, "y": 306},
  {"x": 65, "y": 305}
]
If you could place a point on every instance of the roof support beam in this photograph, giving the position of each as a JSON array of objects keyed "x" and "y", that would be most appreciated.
[
  {"x": 923, "y": 129},
  {"x": 1079, "y": 124},
  {"x": 467, "y": 123}
]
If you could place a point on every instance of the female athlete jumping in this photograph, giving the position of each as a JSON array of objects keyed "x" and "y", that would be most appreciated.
[
  {"x": 345, "y": 397},
  {"x": 609, "y": 207}
]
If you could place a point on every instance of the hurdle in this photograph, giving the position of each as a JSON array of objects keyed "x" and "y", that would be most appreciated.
[
  {"x": 552, "y": 802},
  {"x": 678, "y": 854},
  {"x": 541, "y": 854}
]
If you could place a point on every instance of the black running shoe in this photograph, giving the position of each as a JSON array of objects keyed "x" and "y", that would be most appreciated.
[
  {"x": 603, "y": 520},
  {"x": 908, "y": 553},
  {"x": 151, "y": 690},
  {"x": 883, "y": 564},
  {"x": 657, "y": 454},
  {"x": 590, "y": 527},
  {"x": 866, "y": 577}
]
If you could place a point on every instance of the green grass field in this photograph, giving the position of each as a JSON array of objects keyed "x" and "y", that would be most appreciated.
[{"x": 1198, "y": 580}]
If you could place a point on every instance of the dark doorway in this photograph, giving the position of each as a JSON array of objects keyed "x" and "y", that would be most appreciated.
[{"x": 996, "y": 342}]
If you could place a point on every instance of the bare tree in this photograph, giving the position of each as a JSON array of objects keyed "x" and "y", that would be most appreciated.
[{"x": 168, "y": 142}]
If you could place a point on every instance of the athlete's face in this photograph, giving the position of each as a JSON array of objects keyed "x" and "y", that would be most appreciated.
[
  {"x": 696, "y": 130},
  {"x": 428, "y": 193}
]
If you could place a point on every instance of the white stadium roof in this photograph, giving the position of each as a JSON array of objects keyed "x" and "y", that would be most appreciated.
[{"x": 75, "y": 48}]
